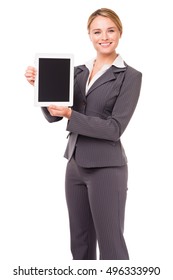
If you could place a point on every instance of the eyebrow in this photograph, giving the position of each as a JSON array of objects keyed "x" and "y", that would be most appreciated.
[{"x": 100, "y": 28}]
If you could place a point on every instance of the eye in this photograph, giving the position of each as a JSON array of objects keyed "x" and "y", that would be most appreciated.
[
  {"x": 111, "y": 30},
  {"x": 97, "y": 32}
]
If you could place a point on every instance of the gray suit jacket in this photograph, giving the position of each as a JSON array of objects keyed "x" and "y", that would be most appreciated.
[{"x": 99, "y": 118}]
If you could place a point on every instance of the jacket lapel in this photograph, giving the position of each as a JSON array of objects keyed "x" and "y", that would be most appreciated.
[
  {"x": 83, "y": 73},
  {"x": 82, "y": 77},
  {"x": 109, "y": 75}
]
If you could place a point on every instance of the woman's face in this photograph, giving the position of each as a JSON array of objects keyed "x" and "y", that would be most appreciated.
[{"x": 104, "y": 35}]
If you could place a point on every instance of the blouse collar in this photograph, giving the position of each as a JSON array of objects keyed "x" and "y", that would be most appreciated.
[{"x": 118, "y": 62}]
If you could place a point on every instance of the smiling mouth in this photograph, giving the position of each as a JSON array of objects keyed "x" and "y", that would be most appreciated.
[{"x": 105, "y": 44}]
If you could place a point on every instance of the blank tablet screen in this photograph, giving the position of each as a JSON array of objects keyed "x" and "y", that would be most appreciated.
[{"x": 54, "y": 81}]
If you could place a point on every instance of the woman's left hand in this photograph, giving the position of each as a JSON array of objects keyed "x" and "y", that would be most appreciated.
[{"x": 60, "y": 111}]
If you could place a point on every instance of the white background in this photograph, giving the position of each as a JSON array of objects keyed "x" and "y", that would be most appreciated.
[{"x": 34, "y": 221}]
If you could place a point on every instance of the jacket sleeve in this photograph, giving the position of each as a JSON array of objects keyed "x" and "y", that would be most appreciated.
[
  {"x": 48, "y": 117},
  {"x": 113, "y": 127}
]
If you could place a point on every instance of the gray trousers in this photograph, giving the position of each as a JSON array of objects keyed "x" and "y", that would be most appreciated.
[{"x": 96, "y": 200}]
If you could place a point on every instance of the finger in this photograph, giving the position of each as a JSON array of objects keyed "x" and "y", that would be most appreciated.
[
  {"x": 31, "y": 68},
  {"x": 52, "y": 112},
  {"x": 30, "y": 72},
  {"x": 29, "y": 76},
  {"x": 53, "y": 107}
]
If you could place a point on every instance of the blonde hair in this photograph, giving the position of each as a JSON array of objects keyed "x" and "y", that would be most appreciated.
[{"x": 104, "y": 12}]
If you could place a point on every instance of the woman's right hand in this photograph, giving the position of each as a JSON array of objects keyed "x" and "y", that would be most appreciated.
[{"x": 30, "y": 74}]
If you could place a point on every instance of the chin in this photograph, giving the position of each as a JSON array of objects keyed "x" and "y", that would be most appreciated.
[{"x": 107, "y": 52}]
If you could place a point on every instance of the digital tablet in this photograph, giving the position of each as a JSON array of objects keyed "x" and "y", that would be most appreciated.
[{"x": 54, "y": 79}]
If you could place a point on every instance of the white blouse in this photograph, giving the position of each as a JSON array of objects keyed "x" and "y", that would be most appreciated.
[{"x": 118, "y": 62}]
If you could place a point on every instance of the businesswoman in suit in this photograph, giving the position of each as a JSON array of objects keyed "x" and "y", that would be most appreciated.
[{"x": 106, "y": 92}]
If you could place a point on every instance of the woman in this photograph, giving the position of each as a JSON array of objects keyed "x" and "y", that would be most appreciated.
[{"x": 106, "y": 92}]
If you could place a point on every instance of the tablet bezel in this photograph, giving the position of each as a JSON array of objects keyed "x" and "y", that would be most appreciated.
[{"x": 71, "y": 82}]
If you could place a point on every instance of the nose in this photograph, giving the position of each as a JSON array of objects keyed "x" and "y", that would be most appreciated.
[{"x": 104, "y": 36}]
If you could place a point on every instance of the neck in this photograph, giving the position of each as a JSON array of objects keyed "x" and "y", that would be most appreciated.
[{"x": 105, "y": 59}]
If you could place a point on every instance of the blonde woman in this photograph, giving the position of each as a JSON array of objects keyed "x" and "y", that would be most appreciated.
[{"x": 106, "y": 92}]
